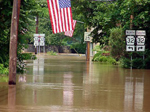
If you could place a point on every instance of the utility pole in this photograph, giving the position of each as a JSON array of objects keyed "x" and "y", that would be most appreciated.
[
  {"x": 13, "y": 42},
  {"x": 37, "y": 22}
]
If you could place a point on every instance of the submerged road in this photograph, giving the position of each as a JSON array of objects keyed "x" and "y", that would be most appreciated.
[{"x": 70, "y": 84}]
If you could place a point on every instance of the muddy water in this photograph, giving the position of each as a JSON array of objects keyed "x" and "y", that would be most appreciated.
[{"x": 70, "y": 84}]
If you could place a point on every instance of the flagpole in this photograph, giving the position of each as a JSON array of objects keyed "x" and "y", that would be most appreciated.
[{"x": 80, "y": 22}]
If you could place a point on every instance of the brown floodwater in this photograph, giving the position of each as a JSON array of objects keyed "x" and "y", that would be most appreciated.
[{"x": 70, "y": 84}]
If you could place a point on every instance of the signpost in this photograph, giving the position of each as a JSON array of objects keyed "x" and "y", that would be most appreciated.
[
  {"x": 39, "y": 40},
  {"x": 135, "y": 39},
  {"x": 87, "y": 38}
]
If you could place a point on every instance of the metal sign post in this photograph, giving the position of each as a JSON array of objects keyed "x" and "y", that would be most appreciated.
[
  {"x": 141, "y": 41},
  {"x": 87, "y": 38},
  {"x": 135, "y": 39},
  {"x": 39, "y": 40}
]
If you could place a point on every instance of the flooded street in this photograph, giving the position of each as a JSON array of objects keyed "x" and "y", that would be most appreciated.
[{"x": 70, "y": 84}]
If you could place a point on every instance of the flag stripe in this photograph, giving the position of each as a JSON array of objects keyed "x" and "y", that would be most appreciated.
[
  {"x": 61, "y": 18},
  {"x": 70, "y": 33},
  {"x": 56, "y": 14},
  {"x": 70, "y": 19},
  {"x": 50, "y": 12}
]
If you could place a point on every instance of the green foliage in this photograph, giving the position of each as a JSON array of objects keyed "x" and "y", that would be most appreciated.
[
  {"x": 105, "y": 59},
  {"x": 78, "y": 47},
  {"x": 24, "y": 23},
  {"x": 125, "y": 62},
  {"x": 3, "y": 78},
  {"x": 104, "y": 16},
  {"x": 52, "y": 53},
  {"x": 20, "y": 61},
  {"x": 26, "y": 56},
  {"x": 97, "y": 55},
  {"x": 97, "y": 48},
  {"x": 137, "y": 63},
  {"x": 3, "y": 70},
  {"x": 137, "y": 60},
  {"x": 116, "y": 42}
]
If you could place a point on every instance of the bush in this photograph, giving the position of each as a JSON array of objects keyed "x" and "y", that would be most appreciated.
[
  {"x": 137, "y": 60},
  {"x": 3, "y": 70},
  {"x": 116, "y": 43},
  {"x": 52, "y": 53},
  {"x": 78, "y": 47},
  {"x": 105, "y": 59},
  {"x": 97, "y": 55},
  {"x": 125, "y": 62},
  {"x": 20, "y": 61}
]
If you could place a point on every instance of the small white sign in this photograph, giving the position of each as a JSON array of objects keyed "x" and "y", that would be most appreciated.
[
  {"x": 42, "y": 41},
  {"x": 36, "y": 43},
  {"x": 130, "y": 32},
  {"x": 86, "y": 36},
  {"x": 36, "y": 35},
  {"x": 130, "y": 40},
  {"x": 130, "y": 48},
  {"x": 140, "y": 40},
  {"x": 141, "y": 32},
  {"x": 140, "y": 48},
  {"x": 39, "y": 39},
  {"x": 39, "y": 35}
]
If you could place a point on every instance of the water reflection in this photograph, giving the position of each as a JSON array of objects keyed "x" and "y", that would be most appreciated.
[
  {"x": 68, "y": 90},
  {"x": 69, "y": 84},
  {"x": 134, "y": 92},
  {"x": 11, "y": 98},
  {"x": 22, "y": 78},
  {"x": 38, "y": 70}
]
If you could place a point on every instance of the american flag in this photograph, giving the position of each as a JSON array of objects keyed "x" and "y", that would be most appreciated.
[
  {"x": 60, "y": 15},
  {"x": 70, "y": 33}
]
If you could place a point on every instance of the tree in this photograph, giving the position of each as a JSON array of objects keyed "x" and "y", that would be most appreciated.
[
  {"x": 117, "y": 43},
  {"x": 5, "y": 20}
]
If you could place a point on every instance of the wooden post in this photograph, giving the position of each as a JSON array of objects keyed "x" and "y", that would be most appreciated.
[
  {"x": 131, "y": 22},
  {"x": 88, "y": 48},
  {"x": 37, "y": 22},
  {"x": 88, "y": 51},
  {"x": 13, "y": 42}
]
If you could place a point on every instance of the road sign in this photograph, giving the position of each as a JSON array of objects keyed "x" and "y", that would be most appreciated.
[
  {"x": 42, "y": 41},
  {"x": 130, "y": 40},
  {"x": 140, "y": 40},
  {"x": 86, "y": 36},
  {"x": 130, "y": 32},
  {"x": 36, "y": 43},
  {"x": 39, "y": 40},
  {"x": 141, "y": 32},
  {"x": 140, "y": 48},
  {"x": 130, "y": 48}
]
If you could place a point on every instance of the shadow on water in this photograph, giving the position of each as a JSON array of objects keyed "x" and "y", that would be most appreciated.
[{"x": 69, "y": 84}]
